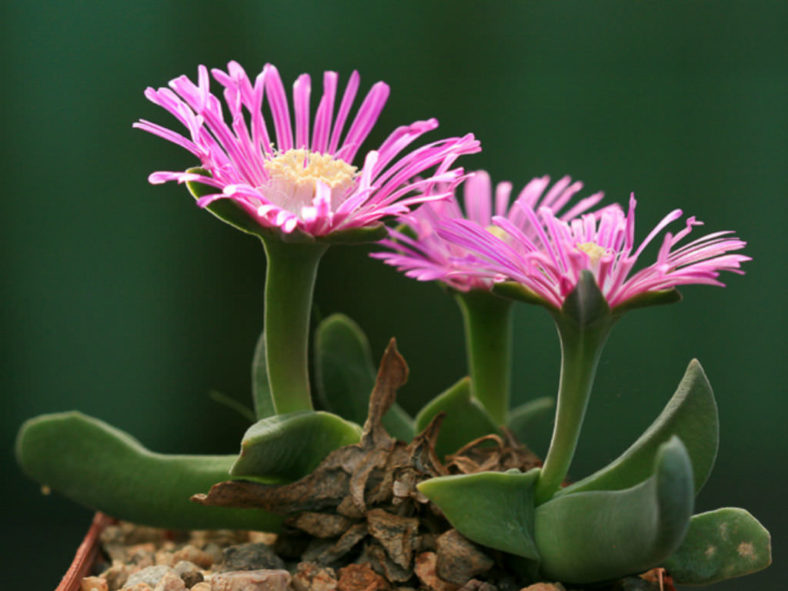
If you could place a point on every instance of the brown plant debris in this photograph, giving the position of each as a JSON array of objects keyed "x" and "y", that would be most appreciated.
[{"x": 359, "y": 523}]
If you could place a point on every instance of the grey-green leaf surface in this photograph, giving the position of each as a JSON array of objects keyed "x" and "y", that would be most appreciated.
[
  {"x": 594, "y": 536},
  {"x": 719, "y": 545},
  {"x": 103, "y": 468},
  {"x": 289, "y": 446},
  {"x": 345, "y": 375},
  {"x": 466, "y": 419},
  {"x": 261, "y": 390},
  {"x": 495, "y": 509},
  {"x": 691, "y": 414}
]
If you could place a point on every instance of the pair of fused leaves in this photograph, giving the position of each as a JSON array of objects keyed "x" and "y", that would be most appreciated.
[{"x": 630, "y": 516}]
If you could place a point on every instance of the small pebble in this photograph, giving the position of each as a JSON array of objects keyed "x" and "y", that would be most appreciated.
[
  {"x": 170, "y": 582},
  {"x": 192, "y": 554},
  {"x": 251, "y": 580},
  {"x": 150, "y": 575},
  {"x": 93, "y": 584},
  {"x": 251, "y": 557}
]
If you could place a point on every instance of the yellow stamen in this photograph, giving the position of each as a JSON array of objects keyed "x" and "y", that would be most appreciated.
[
  {"x": 593, "y": 250},
  {"x": 294, "y": 174}
]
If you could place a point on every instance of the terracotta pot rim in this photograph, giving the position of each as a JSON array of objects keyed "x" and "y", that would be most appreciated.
[{"x": 85, "y": 555}]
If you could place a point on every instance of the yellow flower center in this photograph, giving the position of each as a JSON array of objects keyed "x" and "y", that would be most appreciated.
[
  {"x": 293, "y": 176},
  {"x": 593, "y": 250}
]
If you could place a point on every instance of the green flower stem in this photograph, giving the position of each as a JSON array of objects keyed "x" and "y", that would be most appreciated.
[
  {"x": 581, "y": 347},
  {"x": 289, "y": 284},
  {"x": 488, "y": 342}
]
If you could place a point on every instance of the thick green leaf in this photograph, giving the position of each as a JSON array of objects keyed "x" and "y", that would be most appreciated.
[
  {"x": 289, "y": 446},
  {"x": 466, "y": 419},
  {"x": 649, "y": 298},
  {"x": 261, "y": 390},
  {"x": 691, "y": 414},
  {"x": 528, "y": 417},
  {"x": 495, "y": 509},
  {"x": 345, "y": 375},
  {"x": 595, "y": 536},
  {"x": 107, "y": 470},
  {"x": 719, "y": 545}
]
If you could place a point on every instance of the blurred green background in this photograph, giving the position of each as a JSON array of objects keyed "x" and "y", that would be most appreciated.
[{"x": 125, "y": 301}]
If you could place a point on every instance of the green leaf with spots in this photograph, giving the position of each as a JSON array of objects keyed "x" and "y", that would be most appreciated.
[
  {"x": 289, "y": 446},
  {"x": 345, "y": 375},
  {"x": 466, "y": 419},
  {"x": 719, "y": 545},
  {"x": 691, "y": 414},
  {"x": 495, "y": 509},
  {"x": 103, "y": 468},
  {"x": 594, "y": 536}
]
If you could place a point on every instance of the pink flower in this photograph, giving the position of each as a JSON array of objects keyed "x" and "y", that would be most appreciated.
[
  {"x": 304, "y": 181},
  {"x": 430, "y": 257},
  {"x": 550, "y": 263}
]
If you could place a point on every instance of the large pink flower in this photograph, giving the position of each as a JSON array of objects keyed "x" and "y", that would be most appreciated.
[
  {"x": 426, "y": 256},
  {"x": 550, "y": 263},
  {"x": 304, "y": 181}
]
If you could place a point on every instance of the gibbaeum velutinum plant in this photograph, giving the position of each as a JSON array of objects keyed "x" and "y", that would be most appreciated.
[{"x": 299, "y": 186}]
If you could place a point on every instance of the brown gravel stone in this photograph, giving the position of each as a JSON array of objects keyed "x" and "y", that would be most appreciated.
[
  {"x": 251, "y": 557},
  {"x": 262, "y": 537},
  {"x": 138, "y": 587},
  {"x": 204, "y": 586},
  {"x": 425, "y": 569},
  {"x": 312, "y": 577},
  {"x": 251, "y": 580},
  {"x": 191, "y": 554},
  {"x": 376, "y": 556},
  {"x": 544, "y": 587},
  {"x": 93, "y": 584},
  {"x": 189, "y": 572},
  {"x": 170, "y": 582},
  {"x": 396, "y": 534},
  {"x": 459, "y": 559},
  {"x": 360, "y": 577},
  {"x": 477, "y": 585},
  {"x": 150, "y": 575},
  {"x": 116, "y": 575}
]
